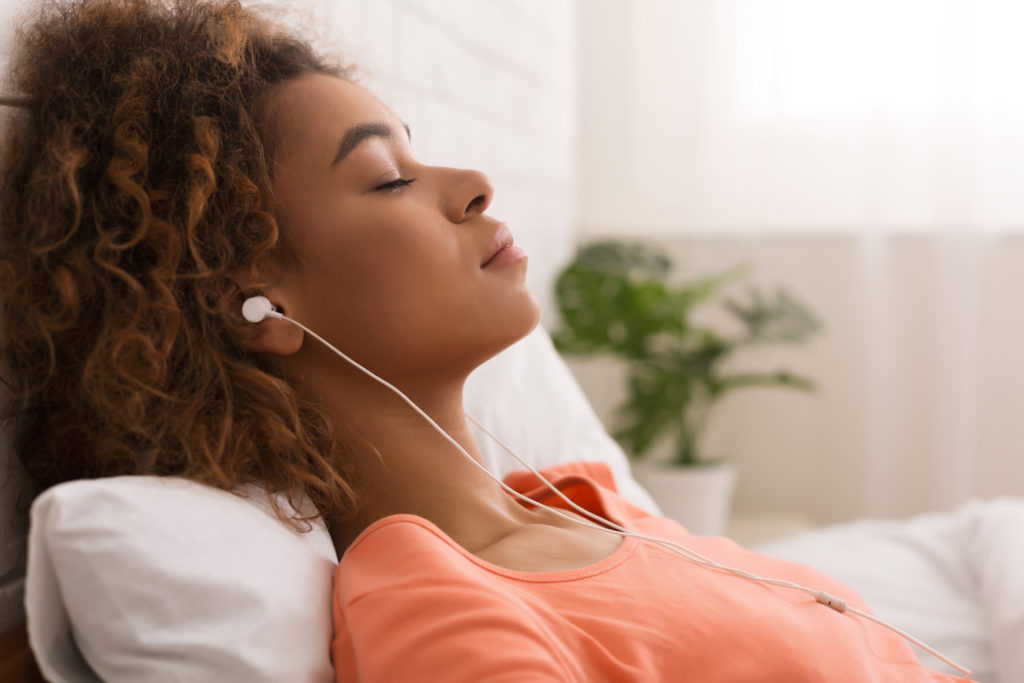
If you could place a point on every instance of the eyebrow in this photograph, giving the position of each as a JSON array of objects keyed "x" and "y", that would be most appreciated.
[{"x": 361, "y": 132}]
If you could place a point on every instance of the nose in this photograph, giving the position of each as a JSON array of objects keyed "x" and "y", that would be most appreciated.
[{"x": 468, "y": 193}]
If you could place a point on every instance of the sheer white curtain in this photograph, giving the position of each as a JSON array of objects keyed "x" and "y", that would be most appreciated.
[{"x": 891, "y": 131}]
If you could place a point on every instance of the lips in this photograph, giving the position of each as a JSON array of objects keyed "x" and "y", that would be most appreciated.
[{"x": 502, "y": 239}]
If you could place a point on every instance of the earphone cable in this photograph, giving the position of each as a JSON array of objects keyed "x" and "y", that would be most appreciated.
[{"x": 609, "y": 526}]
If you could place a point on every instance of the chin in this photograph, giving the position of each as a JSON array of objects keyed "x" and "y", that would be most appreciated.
[
  {"x": 536, "y": 317},
  {"x": 517, "y": 326},
  {"x": 530, "y": 317}
]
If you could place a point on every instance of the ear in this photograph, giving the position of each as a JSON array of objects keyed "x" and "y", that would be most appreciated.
[{"x": 270, "y": 336}]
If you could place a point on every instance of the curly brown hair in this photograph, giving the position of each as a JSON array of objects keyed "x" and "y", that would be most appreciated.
[{"x": 135, "y": 217}]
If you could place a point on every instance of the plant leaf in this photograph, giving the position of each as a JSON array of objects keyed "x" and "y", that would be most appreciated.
[{"x": 779, "y": 319}]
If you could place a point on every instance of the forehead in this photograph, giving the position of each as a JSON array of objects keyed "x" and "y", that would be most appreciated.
[{"x": 312, "y": 112}]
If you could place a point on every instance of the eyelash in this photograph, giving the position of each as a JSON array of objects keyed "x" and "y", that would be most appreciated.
[{"x": 396, "y": 184}]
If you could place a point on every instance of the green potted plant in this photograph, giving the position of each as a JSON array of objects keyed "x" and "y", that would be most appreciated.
[{"x": 617, "y": 298}]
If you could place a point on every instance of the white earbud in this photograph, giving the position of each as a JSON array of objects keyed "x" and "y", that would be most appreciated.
[{"x": 257, "y": 308}]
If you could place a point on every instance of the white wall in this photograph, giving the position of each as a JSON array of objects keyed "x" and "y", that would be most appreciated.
[
  {"x": 641, "y": 123},
  {"x": 782, "y": 115}
]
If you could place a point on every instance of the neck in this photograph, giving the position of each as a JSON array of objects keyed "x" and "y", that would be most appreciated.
[{"x": 405, "y": 466}]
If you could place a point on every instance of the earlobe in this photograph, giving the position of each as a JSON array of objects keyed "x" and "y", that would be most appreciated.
[{"x": 277, "y": 337}]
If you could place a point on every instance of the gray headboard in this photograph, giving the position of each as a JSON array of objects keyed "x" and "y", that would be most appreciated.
[{"x": 12, "y": 535}]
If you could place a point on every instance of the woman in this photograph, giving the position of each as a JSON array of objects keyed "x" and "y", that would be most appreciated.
[{"x": 172, "y": 163}]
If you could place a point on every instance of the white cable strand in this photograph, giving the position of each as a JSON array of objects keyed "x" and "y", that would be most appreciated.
[{"x": 609, "y": 526}]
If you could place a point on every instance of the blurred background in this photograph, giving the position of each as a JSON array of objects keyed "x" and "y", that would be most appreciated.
[{"x": 867, "y": 156}]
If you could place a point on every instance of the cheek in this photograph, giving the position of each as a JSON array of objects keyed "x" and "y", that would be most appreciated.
[
  {"x": 392, "y": 265},
  {"x": 384, "y": 277}
]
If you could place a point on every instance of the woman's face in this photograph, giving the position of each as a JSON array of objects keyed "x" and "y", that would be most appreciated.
[{"x": 389, "y": 250}]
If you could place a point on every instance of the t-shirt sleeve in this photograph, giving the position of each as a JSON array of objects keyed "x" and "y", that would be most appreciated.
[
  {"x": 445, "y": 635},
  {"x": 406, "y": 611},
  {"x": 597, "y": 472},
  {"x": 589, "y": 484}
]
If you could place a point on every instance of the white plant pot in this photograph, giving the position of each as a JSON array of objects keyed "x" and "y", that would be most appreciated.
[{"x": 698, "y": 497}]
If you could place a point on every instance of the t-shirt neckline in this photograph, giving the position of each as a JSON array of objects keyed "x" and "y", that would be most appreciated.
[{"x": 620, "y": 554}]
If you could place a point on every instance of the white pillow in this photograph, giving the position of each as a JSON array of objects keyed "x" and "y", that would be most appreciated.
[
  {"x": 146, "y": 578},
  {"x": 163, "y": 579},
  {"x": 528, "y": 398}
]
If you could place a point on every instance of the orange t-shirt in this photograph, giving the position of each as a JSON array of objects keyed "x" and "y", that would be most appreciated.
[{"x": 412, "y": 605}]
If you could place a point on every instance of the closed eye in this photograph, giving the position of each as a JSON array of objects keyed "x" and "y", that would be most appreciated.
[{"x": 395, "y": 184}]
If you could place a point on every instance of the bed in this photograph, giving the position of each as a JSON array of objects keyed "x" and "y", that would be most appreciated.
[
  {"x": 140, "y": 578},
  {"x": 954, "y": 579}
]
